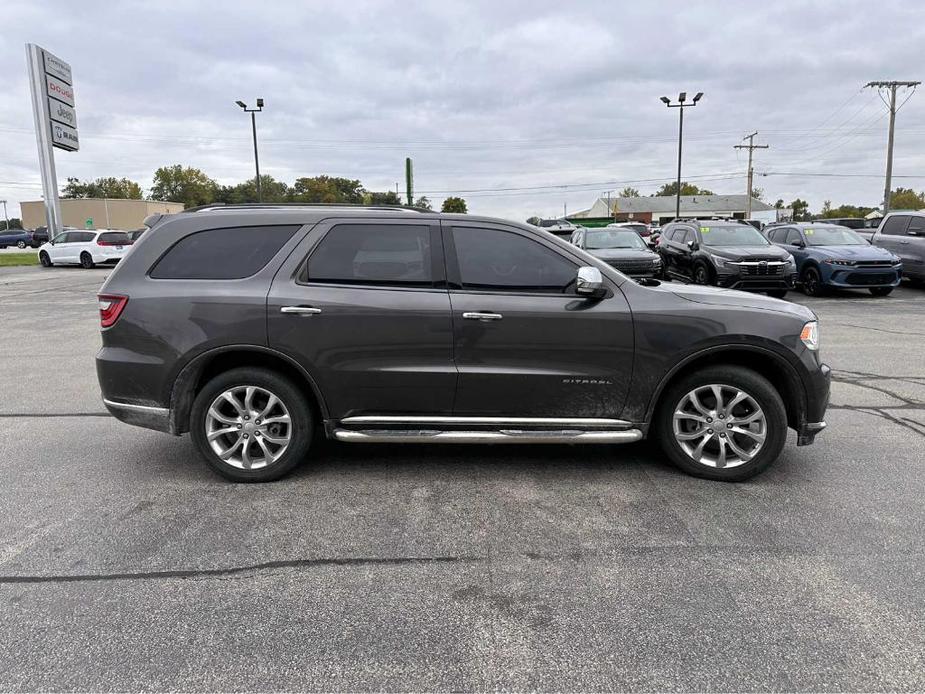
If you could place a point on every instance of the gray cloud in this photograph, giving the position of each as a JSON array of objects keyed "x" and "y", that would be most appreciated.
[{"x": 483, "y": 95}]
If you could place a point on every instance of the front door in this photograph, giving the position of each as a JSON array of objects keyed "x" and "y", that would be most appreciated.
[
  {"x": 525, "y": 343},
  {"x": 60, "y": 251},
  {"x": 362, "y": 306},
  {"x": 892, "y": 236}
]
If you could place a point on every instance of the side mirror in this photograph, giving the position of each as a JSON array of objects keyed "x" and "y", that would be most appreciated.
[
  {"x": 692, "y": 245},
  {"x": 590, "y": 282},
  {"x": 800, "y": 244}
]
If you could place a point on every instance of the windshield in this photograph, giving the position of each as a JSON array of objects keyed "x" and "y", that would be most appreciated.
[
  {"x": 851, "y": 223},
  {"x": 728, "y": 235},
  {"x": 613, "y": 238},
  {"x": 833, "y": 236}
]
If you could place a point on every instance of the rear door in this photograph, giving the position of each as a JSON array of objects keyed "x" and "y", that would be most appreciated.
[
  {"x": 525, "y": 343},
  {"x": 362, "y": 305}
]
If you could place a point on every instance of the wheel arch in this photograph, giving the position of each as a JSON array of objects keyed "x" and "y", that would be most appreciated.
[
  {"x": 205, "y": 366},
  {"x": 766, "y": 362}
]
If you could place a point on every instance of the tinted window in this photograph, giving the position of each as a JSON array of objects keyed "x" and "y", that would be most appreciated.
[
  {"x": 491, "y": 259},
  {"x": 683, "y": 236},
  {"x": 793, "y": 237},
  {"x": 895, "y": 226},
  {"x": 373, "y": 254},
  {"x": 614, "y": 238},
  {"x": 222, "y": 254},
  {"x": 916, "y": 224},
  {"x": 114, "y": 237},
  {"x": 80, "y": 237}
]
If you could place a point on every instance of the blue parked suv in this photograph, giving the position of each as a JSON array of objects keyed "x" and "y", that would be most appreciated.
[{"x": 833, "y": 256}]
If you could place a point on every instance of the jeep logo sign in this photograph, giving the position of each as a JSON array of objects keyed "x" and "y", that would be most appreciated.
[{"x": 62, "y": 113}]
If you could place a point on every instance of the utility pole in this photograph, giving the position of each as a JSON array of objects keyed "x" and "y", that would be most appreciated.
[
  {"x": 891, "y": 86},
  {"x": 751, "y": 146},
  {"x": 409, "y": 181}
]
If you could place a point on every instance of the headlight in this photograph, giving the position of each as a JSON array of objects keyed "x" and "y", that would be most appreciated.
[
  {"x": 791, "y": 262},
  {"x": 656, "y": 261},
  {"x": 719, "y": 260},
  {"x": 848, "y": 263},
  {"x": 810, "y": 335}
]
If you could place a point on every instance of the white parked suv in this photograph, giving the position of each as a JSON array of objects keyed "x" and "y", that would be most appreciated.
[{"x": 85, "y": 248}]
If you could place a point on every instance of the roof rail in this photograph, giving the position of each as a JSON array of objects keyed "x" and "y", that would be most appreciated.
[{"x": 271, "y": 205}]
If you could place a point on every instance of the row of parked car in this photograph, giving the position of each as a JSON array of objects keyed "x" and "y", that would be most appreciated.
[
  {"x": 816, "y": 256},
  {"x": 23, "y": 238}
]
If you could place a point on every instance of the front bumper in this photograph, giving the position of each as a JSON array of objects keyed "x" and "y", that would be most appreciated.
[
  {"x": 817, "y": 401},
  {"x": 864, "y": 278},
  {"x": 731, "y": 279}
]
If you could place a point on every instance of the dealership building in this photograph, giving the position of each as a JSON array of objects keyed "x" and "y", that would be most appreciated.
[
  {"x": 97, "y": 213},
  {"x": 661, "y": 209}
]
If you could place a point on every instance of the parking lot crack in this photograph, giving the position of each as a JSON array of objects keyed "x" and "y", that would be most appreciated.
[{"x": 233, "y": 570}]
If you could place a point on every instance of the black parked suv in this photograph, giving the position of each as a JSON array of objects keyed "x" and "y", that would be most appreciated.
[
  {"x": 726, "y": 254},
  {"x": 258, "y": 329}
]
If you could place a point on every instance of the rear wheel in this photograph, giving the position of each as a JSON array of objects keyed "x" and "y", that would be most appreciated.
[
  {"x": 86, "y": 260},
  {"x": 812, "y": 282},
  {"x": 251, "y": 425},
  {"x": 20, "y": 244},
  {"x": 722, "y": 423},
  {"x": 45, "y": 260},
  {"x": 880, "y": 291}
]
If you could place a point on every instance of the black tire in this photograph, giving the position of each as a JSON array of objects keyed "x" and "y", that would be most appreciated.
[
  {"x": 86, "y": 261},
  {"x": 20, "y": 244},
  {"x": 777, "y": 293},
  {"x": 703, "y": 274},
  {"x": 300, "y": 414},
  {"x": 744, "y": 379},
  {"x": 811, "y": 282},
  {"x": 881, "y": 291},
  {"x": 45, "y": 260}
]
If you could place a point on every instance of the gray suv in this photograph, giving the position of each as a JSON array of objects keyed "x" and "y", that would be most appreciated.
[{"x": 258, "y": 329}]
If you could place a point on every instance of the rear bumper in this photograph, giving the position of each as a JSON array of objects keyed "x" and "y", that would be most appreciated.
[{"x": 147, "y": 416}]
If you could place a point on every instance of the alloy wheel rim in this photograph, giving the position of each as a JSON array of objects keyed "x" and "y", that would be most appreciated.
[
  {"x": 248, "y": 427},
  {"x": 812, "y": 282},
  {"x": 719, "y": 426}
]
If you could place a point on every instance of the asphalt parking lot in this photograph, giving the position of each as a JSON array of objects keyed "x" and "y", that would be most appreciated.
[{"x": 126, "y": 565}]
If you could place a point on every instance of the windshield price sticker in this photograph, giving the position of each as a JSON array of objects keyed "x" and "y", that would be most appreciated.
[
  {"x": 704, "y": 230},
  {"x": 809, "y": 232}
]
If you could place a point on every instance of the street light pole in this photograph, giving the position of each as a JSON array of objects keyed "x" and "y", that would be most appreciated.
[
  {"x": 253, "y": 112},
  {"x": 682, "y": 98}
]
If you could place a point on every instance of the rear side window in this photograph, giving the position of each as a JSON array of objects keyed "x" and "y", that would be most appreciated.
[
  {"x": 222, "y": 254},
  {"x": 114, "y": 237},
  {"x": 377, "y": 254},
  {"x": 916, "y": 226},
  {"x": 895, "y": 226}
]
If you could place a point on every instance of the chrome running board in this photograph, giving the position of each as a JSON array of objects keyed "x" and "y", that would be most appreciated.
[
  {"x": 576, "y": 422},
  {"x": 498, "y": 436}
]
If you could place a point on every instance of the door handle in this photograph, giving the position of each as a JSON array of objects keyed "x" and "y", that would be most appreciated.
[
  {"x": 300, "y": 310},
  {"x": 482, "y": 316}
]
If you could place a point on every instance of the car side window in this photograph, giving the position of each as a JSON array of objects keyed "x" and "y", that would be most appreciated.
[
  {"x": 373, "y": 254},
  {"x": 82, "y": 236},
  {"x": 222, "y": 254},
  {"x": 683, "y": 236},
  {"x": 793, "y": 237},
  {"x": 916, "y": 226},
  {"x": 491, "y": 259},
  {"x": 895, "y": 226},
  {"x": 63, "y": 238}
]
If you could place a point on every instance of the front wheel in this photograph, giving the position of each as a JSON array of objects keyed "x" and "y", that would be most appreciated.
[
  {"x": 702, "y": 274},
  {"x": 881, "y": 291},
  {"x": 722, "y": 423},
  {"x": 86, "y": 260},
  {"x": 812, "y": 282},
  {"x": 45, "y": 260},
  {"x": 20, "y": 244},
  {"x": 251, "y": 425}
]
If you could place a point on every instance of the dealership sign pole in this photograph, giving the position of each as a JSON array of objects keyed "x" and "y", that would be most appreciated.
[{"x": 55, "y": 122}]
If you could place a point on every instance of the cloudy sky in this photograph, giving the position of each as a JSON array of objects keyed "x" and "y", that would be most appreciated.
[{"x": 519, "y": 107}]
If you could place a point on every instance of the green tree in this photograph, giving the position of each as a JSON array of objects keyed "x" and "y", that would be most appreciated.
[
  {"x": 423, "y": 203},
  {"x": 15, "y": 223},
  {"x": 686, "y": 189},
  {"x": 388, "y": 198},
  {"x": 906, "y": 199},
  {"x": 826, "y": 208},
  {"x": 271, "y": 190},
  {"x": 107, "y": 187},
  {"x": 184, "y": 184},
  {"x": 758, "y": 193},
  {"x": 800, "y": 210},
  {"x": 628, "y": 192},
  {"x": 454, "y": 204},
  {"x": 844, "y": 211},
  {"x": 327, "y": 189},
  {"x": 779, "y": 204}
]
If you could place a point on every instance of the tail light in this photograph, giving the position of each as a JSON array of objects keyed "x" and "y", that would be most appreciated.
[
  {"x": 111, "y": 306},
  {"x": 113, "y": 243}
]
